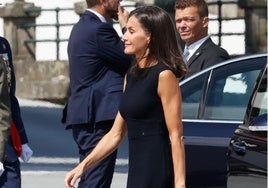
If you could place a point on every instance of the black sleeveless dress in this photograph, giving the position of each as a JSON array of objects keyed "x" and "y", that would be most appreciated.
[{"x": 150, "y": 160}]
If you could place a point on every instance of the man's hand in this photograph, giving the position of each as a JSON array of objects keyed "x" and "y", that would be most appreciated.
[
  {"x": 122, "y": 16},
  {"x": 1, "y": 168},
  {"x": 26, "y": 153}
]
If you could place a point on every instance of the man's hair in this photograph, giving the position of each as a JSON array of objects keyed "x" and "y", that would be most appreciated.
[
  {"x": 92, "y": 3},
  {"x": 200, "y": 4}
]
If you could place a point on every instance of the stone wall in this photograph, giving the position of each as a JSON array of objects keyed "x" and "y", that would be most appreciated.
[
  {"x": 42, "y": 80},
  {"x": 50, "y": 80}
]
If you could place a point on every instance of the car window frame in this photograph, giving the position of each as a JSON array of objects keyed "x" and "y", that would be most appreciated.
[
  {"x": 249, "y": 119},
  {"x": 208, "y": 73}
]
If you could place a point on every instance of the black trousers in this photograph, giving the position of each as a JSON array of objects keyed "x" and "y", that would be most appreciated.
[
  {"x": 86, "y": 137},
  {"x": 11, "y": 176}
]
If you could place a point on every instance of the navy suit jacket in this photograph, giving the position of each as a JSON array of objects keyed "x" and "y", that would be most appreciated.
[
  {"x": 97, "y": 65},
  {"x": 15, "y": 108},
  {"x": 206, "y": 55}
]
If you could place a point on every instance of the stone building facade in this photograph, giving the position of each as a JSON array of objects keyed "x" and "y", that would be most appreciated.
[{"x": 50, "y": 80}]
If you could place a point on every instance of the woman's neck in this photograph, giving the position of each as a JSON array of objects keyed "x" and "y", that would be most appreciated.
[
  {"x": 146, "y": 62},
  {"x": 142, "y": 61}
]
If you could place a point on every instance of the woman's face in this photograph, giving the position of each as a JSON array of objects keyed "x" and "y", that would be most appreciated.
[{"x": 136, "y": 39}]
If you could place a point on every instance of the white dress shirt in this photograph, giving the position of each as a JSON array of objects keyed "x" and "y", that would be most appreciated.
[{"x": 193, "y": 47}]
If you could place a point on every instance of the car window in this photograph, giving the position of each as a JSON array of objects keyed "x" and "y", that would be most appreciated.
[
  {"x": 259, "y": 106},
  {"x": 230, "y": 89},
  {"x": 191, "y": 96},
  {"x": 258, "y": 113}
]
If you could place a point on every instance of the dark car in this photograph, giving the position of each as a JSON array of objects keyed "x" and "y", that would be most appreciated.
[
  {"x": 214, "y": 103},
  {"x": 248, "y": 146}
]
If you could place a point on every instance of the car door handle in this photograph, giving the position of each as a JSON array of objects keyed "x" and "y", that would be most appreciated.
[{"x": 239, "y": 147}]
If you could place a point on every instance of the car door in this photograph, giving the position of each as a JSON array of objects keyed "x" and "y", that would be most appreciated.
[
  {"x": 248, "y": 146},
  {"x": 213, "y": 105}
]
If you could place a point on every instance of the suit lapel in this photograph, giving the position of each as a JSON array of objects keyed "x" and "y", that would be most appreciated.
[
  {"x": 194, "y": 56},
  {"x": 199, "y": 51}
]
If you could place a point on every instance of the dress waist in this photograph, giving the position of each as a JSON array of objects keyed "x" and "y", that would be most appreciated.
[{"x": 144, "y": 128}]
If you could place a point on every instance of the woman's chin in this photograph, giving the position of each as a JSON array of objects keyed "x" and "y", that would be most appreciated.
[{"x": 128, "y": 52}]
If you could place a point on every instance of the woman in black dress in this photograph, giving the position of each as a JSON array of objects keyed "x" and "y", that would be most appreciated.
[{"x": 150, "y": 109}]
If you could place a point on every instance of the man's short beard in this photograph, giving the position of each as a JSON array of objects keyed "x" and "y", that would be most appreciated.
[{"x": 114, "y": 14}]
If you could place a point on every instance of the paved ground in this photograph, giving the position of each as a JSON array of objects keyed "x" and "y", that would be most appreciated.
[
  {"x": 56, "y": 180},
  {"x": 43, "y": 172}
]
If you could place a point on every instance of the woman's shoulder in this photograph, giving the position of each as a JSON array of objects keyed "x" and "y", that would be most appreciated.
[
  {"x": 164, "y": 72},
  {"x": 163, "y": 69}
]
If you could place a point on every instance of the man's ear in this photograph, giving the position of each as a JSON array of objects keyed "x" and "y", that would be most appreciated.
[{"x": 205, "y": 21}]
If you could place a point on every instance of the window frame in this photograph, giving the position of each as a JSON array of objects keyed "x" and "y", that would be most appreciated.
[{"x": 209, "y": 75}]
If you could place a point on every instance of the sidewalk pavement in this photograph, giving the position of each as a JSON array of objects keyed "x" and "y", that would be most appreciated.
[{"x": 44, "y": 179}]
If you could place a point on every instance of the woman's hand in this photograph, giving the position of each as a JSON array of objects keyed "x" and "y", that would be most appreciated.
[{"x": 72, "y": 176}]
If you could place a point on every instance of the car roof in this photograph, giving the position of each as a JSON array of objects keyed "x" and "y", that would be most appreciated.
[{"x": 229, "y": 61}]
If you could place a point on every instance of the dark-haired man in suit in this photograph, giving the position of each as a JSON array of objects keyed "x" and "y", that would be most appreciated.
[
  {"x": 97, "y": 65},
  {"x": 191, "y": 17}
]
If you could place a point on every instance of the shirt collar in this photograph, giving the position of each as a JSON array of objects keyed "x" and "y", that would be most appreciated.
[
  {"x": 98, "y": 14},
  {"x": 193, "y": 47}
]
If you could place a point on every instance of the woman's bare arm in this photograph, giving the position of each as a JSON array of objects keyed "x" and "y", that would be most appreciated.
[
  {"x": 169, "y": 92},
  {"x": 105, "y": 147}
]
